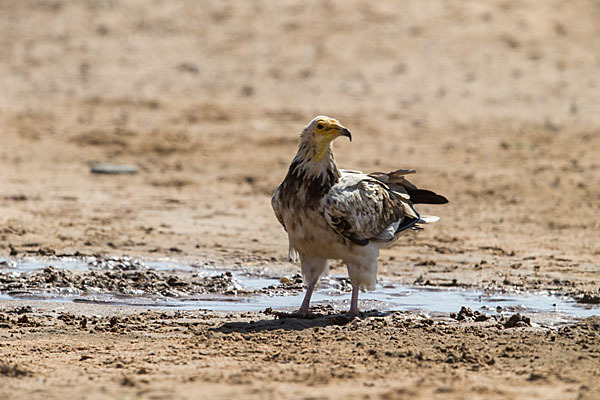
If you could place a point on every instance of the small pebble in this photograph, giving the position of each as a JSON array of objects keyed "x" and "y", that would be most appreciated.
[{"x": 113, "y": 169}]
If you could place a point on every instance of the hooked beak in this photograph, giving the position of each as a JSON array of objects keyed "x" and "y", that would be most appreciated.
[{"x": 346, "y": 132}]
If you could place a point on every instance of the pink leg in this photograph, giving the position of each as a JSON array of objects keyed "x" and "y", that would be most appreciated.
[
  {"x": 304, "y": 308},
  {"x": 354, "y": 302}
]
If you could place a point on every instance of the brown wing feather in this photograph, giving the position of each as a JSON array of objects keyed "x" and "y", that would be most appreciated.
[{"x": 362, "y": 208}]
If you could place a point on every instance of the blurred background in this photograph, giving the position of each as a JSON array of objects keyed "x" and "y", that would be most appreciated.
[{"x": 495, "y": 103}]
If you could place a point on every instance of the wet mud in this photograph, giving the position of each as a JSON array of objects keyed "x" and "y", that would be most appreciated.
[
  {"x": 126, "y": 283},
  {"x": 169, "y": 284}
]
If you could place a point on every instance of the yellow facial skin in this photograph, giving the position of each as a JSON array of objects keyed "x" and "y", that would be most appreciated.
[{"x": 326, "y": 130}]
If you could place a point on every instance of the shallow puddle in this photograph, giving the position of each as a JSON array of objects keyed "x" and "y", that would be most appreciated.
[{"x": 252, "y": 289}]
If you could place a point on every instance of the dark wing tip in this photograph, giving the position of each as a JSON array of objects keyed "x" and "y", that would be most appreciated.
[{"x": 423, "y": 196}]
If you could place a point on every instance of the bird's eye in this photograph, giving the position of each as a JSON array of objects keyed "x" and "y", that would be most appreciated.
[{"x": 319, "y": 126}]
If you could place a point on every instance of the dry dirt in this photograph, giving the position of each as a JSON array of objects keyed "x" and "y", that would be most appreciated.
[
  {"x": 495, "y": 103},
  {"x": 49, "y": 354}
]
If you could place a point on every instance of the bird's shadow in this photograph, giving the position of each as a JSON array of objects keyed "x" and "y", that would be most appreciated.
[{"x": 293, "y": 322}]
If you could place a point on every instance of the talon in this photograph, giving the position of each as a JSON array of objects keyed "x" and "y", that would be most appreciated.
[{"x": 303, "y": 313}]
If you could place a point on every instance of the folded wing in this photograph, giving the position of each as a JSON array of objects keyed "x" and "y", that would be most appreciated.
[{"x": 362, "y": 208}]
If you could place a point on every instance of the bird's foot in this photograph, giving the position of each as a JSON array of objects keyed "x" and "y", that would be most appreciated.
[
  {"x": 303, "y": 312},
  {"x": 352, "y": 313}
]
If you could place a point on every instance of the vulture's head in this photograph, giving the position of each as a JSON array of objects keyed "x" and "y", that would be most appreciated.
[{"x": 320, "y": 132}]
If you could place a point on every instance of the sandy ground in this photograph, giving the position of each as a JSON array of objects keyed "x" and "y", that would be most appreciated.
[
  {"x": 494, "y": 103},
  {"x": 204, "y": 355}
]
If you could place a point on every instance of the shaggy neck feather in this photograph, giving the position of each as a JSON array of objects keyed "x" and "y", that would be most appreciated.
[{"x": 309, "y": 163}]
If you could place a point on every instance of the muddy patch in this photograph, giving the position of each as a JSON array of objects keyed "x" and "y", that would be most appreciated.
[
  {"x": 117, "y": 282},
  {"x": 168, "y": 284}
]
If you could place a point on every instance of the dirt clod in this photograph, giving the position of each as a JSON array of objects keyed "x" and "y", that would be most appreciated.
[
  {"x": 589, "y": 298},
  {"x": 466, "y": 314},
  {"x": 517, "y": 321},
  {"x": 13, "y": 370}
]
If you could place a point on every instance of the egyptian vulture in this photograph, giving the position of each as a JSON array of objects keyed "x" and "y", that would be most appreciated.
[{"x": 330, "y": 213}]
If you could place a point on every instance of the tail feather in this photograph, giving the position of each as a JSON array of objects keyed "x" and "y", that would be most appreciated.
[
  {"x": 292, "y": 253},
  {"x": 428, "y": 219},
  {"x": 424, "y": 196},
  {"x": 399, "y": 184}
]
